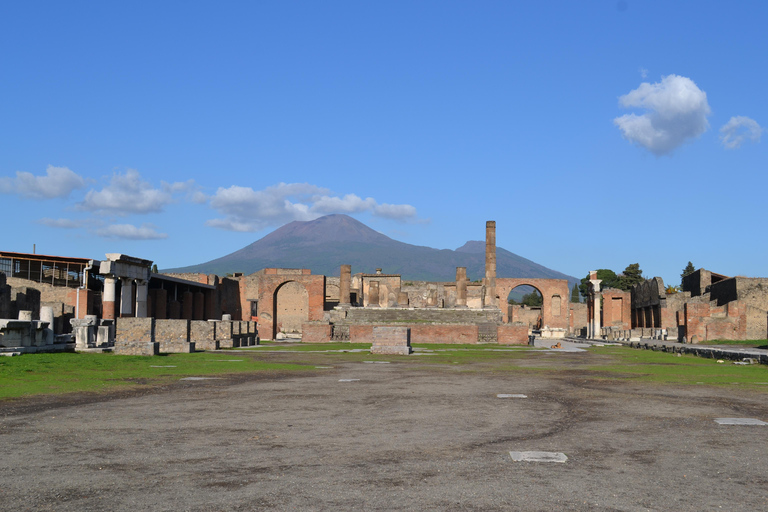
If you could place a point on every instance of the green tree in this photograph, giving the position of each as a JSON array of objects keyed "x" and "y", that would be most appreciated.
[
  {"x": 688, "y": 270},
  {"x": 608, "y": 277},
  {"x": 631, "y": 276},
  {"x": 575, "y": 293},
  {"x": 154, "y": 268},
  {"x": 532, "y": 299}
]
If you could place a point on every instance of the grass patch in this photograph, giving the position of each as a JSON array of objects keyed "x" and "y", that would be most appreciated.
[
  {"x": 742, "y": 343},
  {"x": 34, "y": 374},
  {"x": 667, "y": 368}
]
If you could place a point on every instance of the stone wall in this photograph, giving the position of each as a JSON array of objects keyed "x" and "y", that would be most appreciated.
[
  {"x": 203, "y": 334},
  {"x": 134, "y": 329}
]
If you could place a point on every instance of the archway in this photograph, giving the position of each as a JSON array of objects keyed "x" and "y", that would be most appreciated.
[
  {"x": 554, "y": 311},
  {"x": 291, "y": 308},
  {"x": 524, "y": 304}
]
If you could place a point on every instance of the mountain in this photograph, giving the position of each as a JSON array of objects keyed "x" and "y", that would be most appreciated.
[{"x": 324, "y": 244}]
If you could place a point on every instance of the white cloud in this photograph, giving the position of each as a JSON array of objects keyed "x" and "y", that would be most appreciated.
[
  {"x": 395, "y": 211},
  {"x": 62, "y": 223},
  {"x": 737, "y": 130},
  {"x": 643, "y": 73},
  {"x": 245, "y": 209},
  {"x": 57, "y": 182},
  {"x": 677, "y": 111},
  {"x": 126, "y": 194},
  {"x": 131, "y": 232}
]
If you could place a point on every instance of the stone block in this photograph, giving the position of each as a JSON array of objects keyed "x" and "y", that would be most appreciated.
[
  {"x": 136, "y": 348},
  {"x": 130, "y": 329},
  {"x": 171, "y": 330},
  {"x": 176, "y": 347},
  {"x": 391, "y": 340},
  {"x": 203, "y": 334}
]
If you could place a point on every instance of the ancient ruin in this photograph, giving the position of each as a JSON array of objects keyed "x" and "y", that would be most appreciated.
[{"x": 58, "y": 303}]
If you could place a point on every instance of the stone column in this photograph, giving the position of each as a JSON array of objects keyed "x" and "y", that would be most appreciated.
[
  {"x": 594, "y": 297},
  {"x": 108, "y": 300},
  {"x": 345, "y": 278},
  {"x": 490, "y": 264},
  {"x": 126, "y": 297},
  {"x": 141, "y": 298},
  {"x": 46, "y": 315},
  {"x": 373, "y": 294},
  {"x": 461, "y": 287}
]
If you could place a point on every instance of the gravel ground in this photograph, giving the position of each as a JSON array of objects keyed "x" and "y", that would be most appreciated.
[{"x": 406, "y": 435}]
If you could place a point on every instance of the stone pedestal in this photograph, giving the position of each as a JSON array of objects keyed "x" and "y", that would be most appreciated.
[
  {"x": 46, "y": 316},
  {"x": 391, "y": 340}
]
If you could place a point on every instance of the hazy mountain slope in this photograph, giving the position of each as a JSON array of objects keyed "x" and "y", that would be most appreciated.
[{"x": 324, "y": 244}]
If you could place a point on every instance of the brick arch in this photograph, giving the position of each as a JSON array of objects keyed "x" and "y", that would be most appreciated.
[
  {"x": 290, "y": 306},
  {"x": 271, "y": 280},
  {"x": 548, "y": 288}
]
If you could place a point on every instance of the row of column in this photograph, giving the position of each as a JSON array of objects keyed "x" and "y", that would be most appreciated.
[{"x": 109, "y": 303}]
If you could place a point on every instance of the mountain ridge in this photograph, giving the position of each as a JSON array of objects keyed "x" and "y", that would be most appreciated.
[{"x": 323, "y": 244}]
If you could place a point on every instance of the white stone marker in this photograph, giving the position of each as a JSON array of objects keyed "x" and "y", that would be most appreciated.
[
  {"x": 739, "y": 421},
  {"x": 167, "y": 366},
  {"x": 348, "y": 380},
  {"x": 514, "y": 395},
  {"x": 538, "y": 456},
  {"x": 201, "y": 378}
]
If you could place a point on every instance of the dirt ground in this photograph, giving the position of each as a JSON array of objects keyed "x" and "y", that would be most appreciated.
[{"x": 406, "y": 435}]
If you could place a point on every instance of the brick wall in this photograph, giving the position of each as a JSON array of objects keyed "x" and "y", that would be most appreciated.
[
  {"x": 443, "y": 333},
  {"x": 512, "y": 334},
  {"x": 315, "y": 333}
]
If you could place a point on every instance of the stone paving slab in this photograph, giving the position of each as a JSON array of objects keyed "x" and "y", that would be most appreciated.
[
  {"x": 538, "y": 456},
  {"x": 739, "y": 421},
  {"x": 513, "y": 395}
]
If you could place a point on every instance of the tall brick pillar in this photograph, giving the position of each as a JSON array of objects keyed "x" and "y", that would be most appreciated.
[
  {"x": 490, "y": 264},
  {"x": 461, "y": 287},
  {"x": 108, "y": 300},
  {"x": 345, "y": 280}
]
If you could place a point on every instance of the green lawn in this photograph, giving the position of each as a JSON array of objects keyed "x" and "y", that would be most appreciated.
[{"x": 32, "y": 374}]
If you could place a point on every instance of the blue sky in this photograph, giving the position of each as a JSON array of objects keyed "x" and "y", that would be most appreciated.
[{"x": 596, "y": 134}]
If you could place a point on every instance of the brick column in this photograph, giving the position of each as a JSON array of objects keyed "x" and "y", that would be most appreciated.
[
  {"x": 108, "y": 300},
  {"x": 490, "y": 264},
  {"x": 345, "y": 279}
]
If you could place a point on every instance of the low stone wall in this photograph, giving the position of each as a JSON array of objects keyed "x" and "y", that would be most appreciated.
[
  {"x": 176, "y": 347},
  {"x": 315, "y": 333},
  {"x": 171, "y": 330},
  {"x": 137, "y": 348},
  {"x": 135, "y": 329},
  {"x": 203, "y": 334},
  {"x": 512, "y": 334}
]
